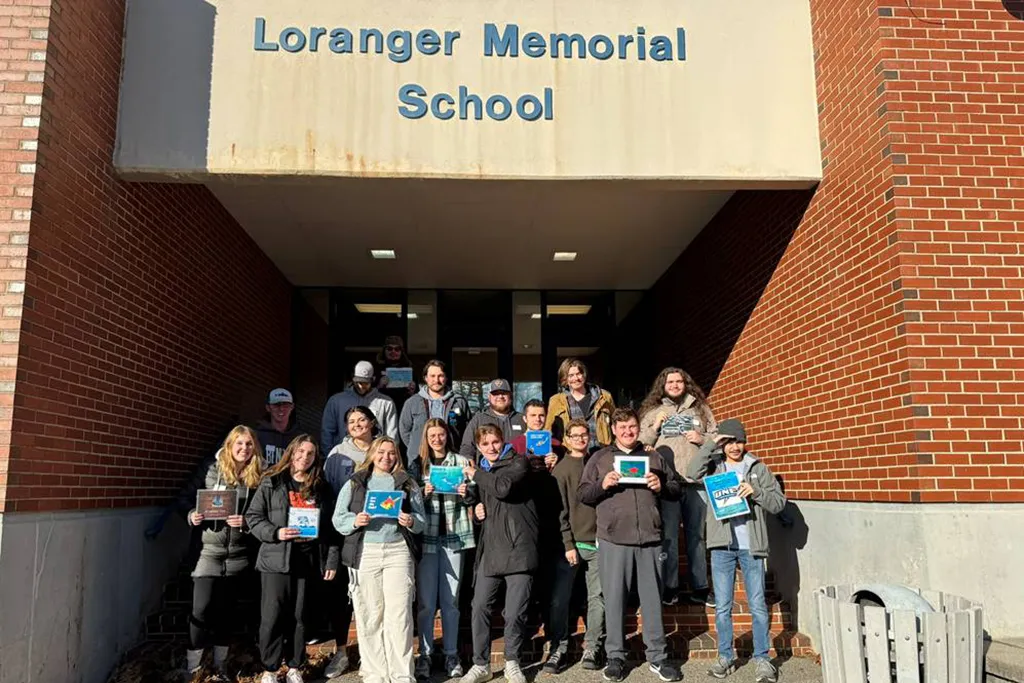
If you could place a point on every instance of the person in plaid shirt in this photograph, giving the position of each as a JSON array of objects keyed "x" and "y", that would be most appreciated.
[{"x": 449, "y": 532}]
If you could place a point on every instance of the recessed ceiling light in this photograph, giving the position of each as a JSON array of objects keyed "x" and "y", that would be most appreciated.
[
  {"x": 411, "y": 316},
  {"x": 380, "y": 308},
  {"x": 383, "y": 253},
  {"x": 568, "y": 309},
  {"x": 564, "y": 256},
  {"x": 535, "y": 316}
]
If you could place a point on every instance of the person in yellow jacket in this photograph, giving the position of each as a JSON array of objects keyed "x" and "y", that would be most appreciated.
[{"x": 576, "y": 399}]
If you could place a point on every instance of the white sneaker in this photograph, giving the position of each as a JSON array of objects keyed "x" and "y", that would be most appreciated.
[
  {"x": 293, "y": 676},
  {"x": 477, "y": 674},
  {"x": 193, "y": 660},
  {"x": 269, "y": 677},
  {"x": 513, "y": 674}
]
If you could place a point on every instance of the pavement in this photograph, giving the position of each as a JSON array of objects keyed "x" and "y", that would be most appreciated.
[{"x": 792, "y": 670}]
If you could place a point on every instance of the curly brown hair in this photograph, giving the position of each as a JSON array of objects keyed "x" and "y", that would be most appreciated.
[{"x": 657, "y": 392}]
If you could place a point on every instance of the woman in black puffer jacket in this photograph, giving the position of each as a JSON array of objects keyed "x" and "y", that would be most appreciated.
[
  {"x": 288, "y": 563},
  {"x": 227, "y": 548}
]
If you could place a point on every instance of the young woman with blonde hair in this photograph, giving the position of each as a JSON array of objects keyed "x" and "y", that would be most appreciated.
[
  {"x": 227, "y": 546},
  {"x": 287, "y": 563},
  {"x": 381, "y": 554},
  {"x": 449, "y": 532}
]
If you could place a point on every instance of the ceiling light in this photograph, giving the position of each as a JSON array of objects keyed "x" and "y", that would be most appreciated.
[
  {"x": 535, "y": 316},
  {"x": 411, "y": 316},
  {"x": 568, "y": 309},
  {"x": 564, "y": 256},
  {"x": 394, "y": 309},
  {"x": 383, "y": 253}
]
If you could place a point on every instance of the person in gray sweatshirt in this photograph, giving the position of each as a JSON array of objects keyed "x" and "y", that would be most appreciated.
[
  {"x": 434, "y": 399},
  {"x": 360, "y": 393},
  {"x": 499, "y": 412},
  {"x": 740, "y": 540}
]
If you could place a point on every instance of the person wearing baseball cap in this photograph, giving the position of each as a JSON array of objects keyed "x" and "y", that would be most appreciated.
[
  {"x": 361, "y": 392},
  {"x": 278, "y": 427},
  {"x": 500, "y": 412},
  {"x": 741, "y": 541}
]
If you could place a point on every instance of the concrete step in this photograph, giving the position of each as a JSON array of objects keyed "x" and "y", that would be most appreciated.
[{"x": 1004, "y": 660}]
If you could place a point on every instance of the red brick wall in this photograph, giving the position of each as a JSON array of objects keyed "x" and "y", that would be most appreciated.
[
  {"x": 793, "y": 309},
  {"x": 23, "y": 45},
  {"x": 151, "y": 323},
  {"x": 872, "y": 336},
  {"x": 954, "y": 93}
]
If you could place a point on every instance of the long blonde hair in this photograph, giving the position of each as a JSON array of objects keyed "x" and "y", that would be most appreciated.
[
  {"x": 367, "y": 463},
  {"x": 425, "y": 450},
  {"x": 253, "y": 469}
]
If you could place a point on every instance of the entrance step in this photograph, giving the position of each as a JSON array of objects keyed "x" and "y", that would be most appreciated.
[{"x": 1004, "y": 660}]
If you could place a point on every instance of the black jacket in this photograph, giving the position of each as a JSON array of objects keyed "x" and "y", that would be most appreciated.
[
  {"x": 268, "y": 513},
  {"x": 226, "y": 551},
  {"x": 509, "y": 532},
  {"x": 274, "y": 442},
  {"x": 352, "y": 550},
  {"x": 511, "y": 425}
]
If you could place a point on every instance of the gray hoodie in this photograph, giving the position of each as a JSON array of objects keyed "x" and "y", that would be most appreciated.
[
  {"x": 451, "y": 408},
  {"x": 766, "y": 499},
  {"x": 334, "y": 428}
]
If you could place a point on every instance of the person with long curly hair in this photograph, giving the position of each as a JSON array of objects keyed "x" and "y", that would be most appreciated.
[
  {"x": 676, "y": 419},
  {"x": 288, "y": 563},
  {"x": 227, "y": 545}
]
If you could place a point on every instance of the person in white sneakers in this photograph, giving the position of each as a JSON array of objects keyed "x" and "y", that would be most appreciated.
[{"x": 227, "y": 546}]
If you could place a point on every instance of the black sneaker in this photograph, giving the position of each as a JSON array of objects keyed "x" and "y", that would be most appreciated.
[
  {"x": 555, "y": 663},
  {"x": 591, "y": 660},
  {"x": 667, "y": 672},
  {"x": 615, "y": 670},
  {"x": 704, "y": 597},
  {"x": 670, "y": 598}
]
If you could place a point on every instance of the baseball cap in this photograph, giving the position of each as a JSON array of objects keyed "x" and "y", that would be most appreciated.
[
  {"x": 280, "y": 396},
  {"x": 733, "y": 429},
  {"x": 500, "y": 385},
  {"x": 363, "y": 372}
]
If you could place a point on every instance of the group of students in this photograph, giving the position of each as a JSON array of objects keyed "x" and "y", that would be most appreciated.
[{"x": 531, "y": 522}]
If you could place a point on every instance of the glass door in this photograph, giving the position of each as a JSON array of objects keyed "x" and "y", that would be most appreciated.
[{"x": 474, "y": 338}]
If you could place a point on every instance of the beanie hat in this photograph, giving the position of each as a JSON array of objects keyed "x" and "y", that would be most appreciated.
[{"x": 733, "y": 429}]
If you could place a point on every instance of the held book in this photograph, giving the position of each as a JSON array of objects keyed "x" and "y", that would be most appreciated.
[
  {"x": 538, "y": 442},
  {"x": 215, "y": 504},
  {"x": 306, "y": 520},
  {"x": 446, "y": 479},
  {"x": 385, "y": 504},
  {"x": 723, "y": 494},
  {"x": 398, "y": 377},
  {"x": 633, "y": 468}
]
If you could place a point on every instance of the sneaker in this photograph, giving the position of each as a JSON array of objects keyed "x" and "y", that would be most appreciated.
[
  {"x": 722, "y": 668},
  {"x": 709, "y": 599},
  {"x": 423, "y": 667},
  {"x": 269, "y": 677},
  {"x": 193, "y": 660},
  {"x": 666, "y": 671},
  {"x": 338, "y": 665},
  {"x": 591, "y": 660},
  {"x": 614, "y": 670},
  {"x": 477, "y": 674},
  {"x": 556, "y": 662},
  {"x": 705, "y": 597},
  {"x": 513, "y": 674},
  {"x": 293, "y": 676},
  {"x": 671, "y": 598},
  {"x": 452, "y": 666},
  {"x": 765, "y": 672}
]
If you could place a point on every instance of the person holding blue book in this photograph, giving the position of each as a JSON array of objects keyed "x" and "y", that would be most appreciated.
[
  {"x": 291, "y": 559},
  {"x": 380, "y": 512},
  {"x": 448, "y": 534},
  {"x": 739, "y": 540}
]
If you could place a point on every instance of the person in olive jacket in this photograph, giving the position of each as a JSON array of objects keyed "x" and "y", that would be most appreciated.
[
  {"x": 227, "y": 547},
  {"x": 506, "y": 550},
  {"x": 288, "y": 561}
]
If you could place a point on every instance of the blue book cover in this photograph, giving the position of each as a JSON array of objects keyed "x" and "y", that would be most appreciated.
[
  {"x": 306, "y": 520},
  {"x": 723, "y": 494},
  {"x": 538, "y": 442},
  {"x": 446, "y": 479},
  {"x": 383, "y": 503},
  {"x": 398, "y": 377}
]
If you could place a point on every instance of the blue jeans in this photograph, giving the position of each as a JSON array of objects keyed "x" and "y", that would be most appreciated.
[
  {"x": 437, "y": 581},
  {"x": 723, "y": 574}
]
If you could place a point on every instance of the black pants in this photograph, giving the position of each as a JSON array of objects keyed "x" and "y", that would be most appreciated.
[
  {"x": 282, "y": 615},
  {"x": 337, "y": 606},
  {"x": 517, "y": 600},
  {"x": 213, "y": 602}
]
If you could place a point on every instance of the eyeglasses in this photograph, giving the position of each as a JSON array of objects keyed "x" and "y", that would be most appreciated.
[
  {"x": 392, "y": 348},
  {"x": 578, "y": 436}
]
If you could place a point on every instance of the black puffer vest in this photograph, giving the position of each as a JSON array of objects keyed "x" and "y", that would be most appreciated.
[{"x": 352, "y": 549}]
